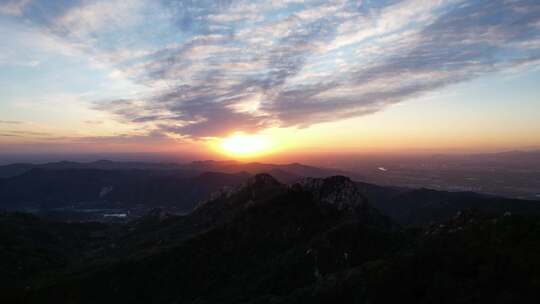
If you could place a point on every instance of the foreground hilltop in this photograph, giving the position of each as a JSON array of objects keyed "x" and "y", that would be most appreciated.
[{"x": 312, "y": 241}]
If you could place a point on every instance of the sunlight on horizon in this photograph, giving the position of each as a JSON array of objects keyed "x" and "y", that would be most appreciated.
[{"x": 244, "y": 145}]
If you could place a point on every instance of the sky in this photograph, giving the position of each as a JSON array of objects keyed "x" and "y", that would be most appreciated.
[{"x": 248, "y": 78}]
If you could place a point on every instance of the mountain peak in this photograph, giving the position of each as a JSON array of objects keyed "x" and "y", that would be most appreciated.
[
  {"x": 258, "y": 186},
  {"x": 262, "y": 179},
  {"x": 339, "y": 191}
]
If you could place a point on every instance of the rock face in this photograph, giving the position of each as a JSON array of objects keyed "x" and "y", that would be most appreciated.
[
  {"x": 257, "y": 187},
  {"x": 338, "y": 191},
  {"x": 331, "y": 195},
  {"x": 262, "y": 180}
]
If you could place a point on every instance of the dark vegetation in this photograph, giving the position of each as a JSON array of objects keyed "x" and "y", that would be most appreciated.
[{"x": 315, "y": 241}]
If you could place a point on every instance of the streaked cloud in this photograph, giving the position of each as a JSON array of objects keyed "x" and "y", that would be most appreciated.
[
  {"x": 18, "y": 133},
  {"x": 210, "y": 68}
]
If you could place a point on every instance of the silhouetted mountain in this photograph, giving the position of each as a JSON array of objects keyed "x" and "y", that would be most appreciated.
[
  {"x": 15, "y": 169},
  {"x": 264, "y": 218},
  {"x": 313, "y": 241},
  {"x": 285, "y": 172},
  {"x": 18, "y": 169},
  {"x": 60, "y": 188},
  {"x": 91, "y": 191},
  {"x": 423, "y": 206},
  {"x": 90, "y": 194}
]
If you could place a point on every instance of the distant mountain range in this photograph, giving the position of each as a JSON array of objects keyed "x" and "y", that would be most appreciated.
[
  {"x": 108, "y": 185},
  {"x": 42, "y": 189},
  {"x": 188, "y": 169},
  {"x": 510, "y": 174},
  {"x": 89, "y": 191},
  {"x": 423, "y": 206},
  {"x": 316, "y": 240}
]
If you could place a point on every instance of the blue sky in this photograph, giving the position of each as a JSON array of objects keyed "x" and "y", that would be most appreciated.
[{"x": 142, "y": 74}]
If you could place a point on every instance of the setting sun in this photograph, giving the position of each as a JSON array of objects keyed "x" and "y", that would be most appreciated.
[{"x": 244, "y": 145}]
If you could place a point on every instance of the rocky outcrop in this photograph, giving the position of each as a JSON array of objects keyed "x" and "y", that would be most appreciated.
[
  {"x": 256, "y": 187},
  {"x": 338, "y": 191}
]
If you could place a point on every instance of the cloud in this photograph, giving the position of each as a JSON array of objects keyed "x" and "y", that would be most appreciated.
[
  {"x": 215, "y": 67},
  {"x": 13, "y": 7},
  {"x": 153, "y": 137},
  {"x": 21, "y": 133},
  {"x": 82, "y": 22},
  {"x": 148, "y": 142},
  {"x": 10, "y": 122},
  {"x": 93, "y": 122}
]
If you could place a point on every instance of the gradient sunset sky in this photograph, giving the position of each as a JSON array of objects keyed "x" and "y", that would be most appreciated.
[{"x": 333, "y": 76}]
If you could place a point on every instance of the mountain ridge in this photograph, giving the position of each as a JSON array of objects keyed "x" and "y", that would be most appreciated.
[
  {"x": 90, "y": 194},
  {"x": 313, "y": 241}
]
